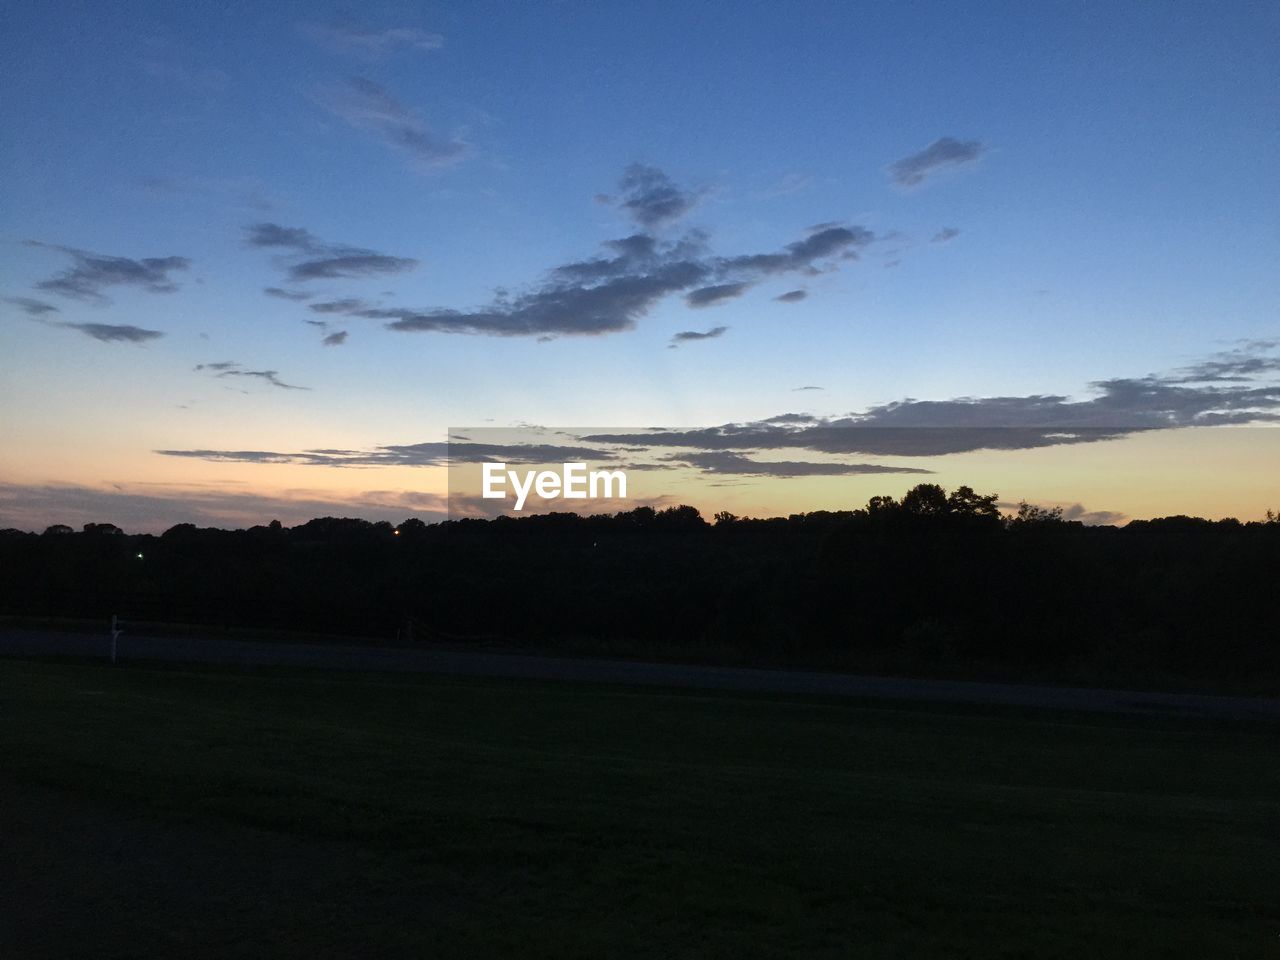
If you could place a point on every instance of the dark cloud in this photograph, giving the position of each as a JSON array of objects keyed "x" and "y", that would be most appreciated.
[
  {"x": 274, "y": 235},
  {"x": 946, "y": 234},
  {"x": 270, "y": 376},
  {"x": 114, "y": 332},
  {"x": 707, "y": 296},
  {"x": 946, "y": 152},
  {"x": 295, "y": 295},
  {"x": 321, "y": 261},
  {"x": 32, "y": 308},
  {"x": 821, "y": 244},
  {"x": 336, "y": 339},
  {"x": 731, "y": 462},
  {"x": 792, "y": 296},
  {"x": 1092, "y": 518},
  {"x": 1072, "y": 512},
  {"x": 607, "y": 307},
  {"x": 372, "y": 44},
  {"x": 686, "y": 336},
  {"x": 90, "y": 273},
  {"x": 350, "y": 267},
  {"x": 408, "y": 455},
  {"x": 230, "y": 368},
  {"x": 153, "y": 508},
  {"x": 1225, "y": 389},
  {"x": 366, "y": 106},
  {"x": 346, "y": 306},
  {"x": 797, "y": 389},
  {"x": 605, "y": 294},
  {"x": 651, "y": 197},
  {"x": 1249, "y": 360}
]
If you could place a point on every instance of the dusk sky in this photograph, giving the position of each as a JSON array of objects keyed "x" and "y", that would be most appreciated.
[{"x": 260, "y": 258}]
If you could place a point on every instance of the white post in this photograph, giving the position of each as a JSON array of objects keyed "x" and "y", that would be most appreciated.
[{"x": 115, "y": 632}]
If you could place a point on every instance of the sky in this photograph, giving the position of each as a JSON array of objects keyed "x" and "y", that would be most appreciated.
[{"x": 260, "y": 259}]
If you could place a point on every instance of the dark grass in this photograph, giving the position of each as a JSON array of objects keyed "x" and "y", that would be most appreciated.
[{"x": 306, "y": 813}]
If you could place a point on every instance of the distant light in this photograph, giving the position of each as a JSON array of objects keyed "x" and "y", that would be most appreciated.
[
  {"x": 397, "y": 534},
  {"x": 139, "y": 556}
]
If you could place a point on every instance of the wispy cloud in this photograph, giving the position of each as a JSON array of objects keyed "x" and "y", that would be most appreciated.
[
  {"x": 792, "y": 296},
  {"x": 152, "y": 507},
  {"x": 91, "y": 273},
  {"x": 114, "y": 332},
  {"x": 692, "y": 336},
  {"x": 734, "y": 463},
  {"x": 366, "y": 106},
  {"x": 947, "y": 152},
  {"x": 314, "y": 259},
  {"x": 230, "y": 369},
  {"x": 719, "y": 293},
  {"x": 32, "y": 308},
  {"x": 296, "y": 296},
  {"x": 946, "y": 235},
  {"x": 1229, "y": 388},
  {"x": 430, "y": 454}
]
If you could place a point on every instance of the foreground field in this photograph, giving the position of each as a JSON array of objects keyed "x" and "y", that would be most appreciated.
[{"x": 221, "y": 813}]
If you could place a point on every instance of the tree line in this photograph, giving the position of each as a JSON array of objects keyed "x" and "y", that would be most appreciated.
[{"x": 936, "y": 582}]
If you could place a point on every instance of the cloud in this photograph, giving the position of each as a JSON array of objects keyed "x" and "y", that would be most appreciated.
[
  {"x": 707, "y": 296},
  {"x": 335, "y": 339},
  {"x": 230, "y": 368},
  {"x": 431, "y": 454},
  {"x": 608, "y": 307},
  {"x": 90, "y": 273},
  {"x": 1092, "y": 518},
  {"x": 153, "y": 508},
  {"x": 686, "y": 336},
  {"x": 274, "y": 235},
  {"x": 651, "y": 197},
  {"x": 946, "y": 235},
  {"x": 373, "y": 44},
  {"x": 32, "y": 308},
  {"x": 366, "y": 106},
  {"x": 1245, "y": 362},
  {"x": 1225, "y": 389},
  {"x": 321, "y": 261},
  {"x": 296, "y": 296},
  {"x": 351, "y": 267},
  {"x": 797, "y": 389},
  {"x": 601, "y": 295},
  {"x": 730, "y": 462},
  {"x": 114, "y": 332},
  {"x": 346, "y": 305},
  {"x": 792, "y": 296},
  {"x": 823, "y": 242},
  {"x": 946, "y": 152}
]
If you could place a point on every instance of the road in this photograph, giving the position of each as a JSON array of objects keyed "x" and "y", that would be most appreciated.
[{"x": 27, "y": 643}]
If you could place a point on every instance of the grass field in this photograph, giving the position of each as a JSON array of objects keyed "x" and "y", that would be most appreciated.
[{"x": 224, "y": 813}]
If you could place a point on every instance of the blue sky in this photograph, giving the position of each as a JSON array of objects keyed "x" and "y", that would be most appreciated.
[{"x": 1112, "y": 195}]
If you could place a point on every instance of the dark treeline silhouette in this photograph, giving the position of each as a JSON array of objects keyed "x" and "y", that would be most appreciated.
[{"x": 934, "y": 582}]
